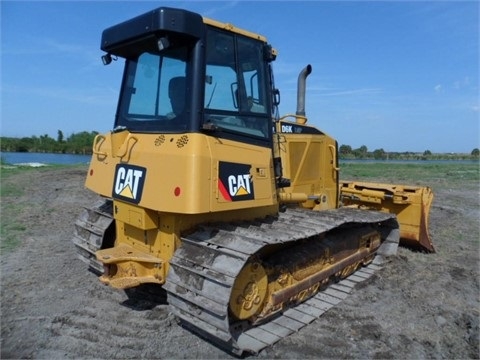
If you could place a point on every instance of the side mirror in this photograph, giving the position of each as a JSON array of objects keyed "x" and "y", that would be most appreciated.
[{"x": 276, "y": 97}]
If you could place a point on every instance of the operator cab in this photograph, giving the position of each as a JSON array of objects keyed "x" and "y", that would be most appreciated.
[{"x": 184, "y": 74}]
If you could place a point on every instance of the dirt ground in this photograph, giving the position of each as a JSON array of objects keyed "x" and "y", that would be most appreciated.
[{"x": 420, "y": 306}]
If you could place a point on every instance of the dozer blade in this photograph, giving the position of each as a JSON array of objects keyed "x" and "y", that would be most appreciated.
[{"x": 411, "y": 205}]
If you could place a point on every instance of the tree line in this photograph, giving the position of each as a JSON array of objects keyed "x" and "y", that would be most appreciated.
[
  {"x": 362, "y": 153},
  {"x": 77, "y": 143},
  {"x": 81, "y": 143}
]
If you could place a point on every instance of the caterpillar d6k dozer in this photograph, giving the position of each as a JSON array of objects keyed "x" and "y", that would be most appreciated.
[{"x": 233, "y": 209}]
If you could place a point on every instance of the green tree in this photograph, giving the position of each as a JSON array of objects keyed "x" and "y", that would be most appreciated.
[
  {"x": 81, "y": 143},
  {"x": 25, "y": 144},
  {"x": 345, "y": 149},
  {"x": 9, "y": 144},
  {"x": 379, "y": 154},
  {"x": 46, "y": 144},
  {"x": 361, "y": 152}
]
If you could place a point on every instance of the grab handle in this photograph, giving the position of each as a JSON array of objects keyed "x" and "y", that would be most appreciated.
[
  {"x": 334, "y": 157},
  {"x": 97, "y": 143}
]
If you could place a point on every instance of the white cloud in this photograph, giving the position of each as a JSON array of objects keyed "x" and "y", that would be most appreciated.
[
  {"x": 225, "y": 5},
  {"x": 354, "y": 92},
  {"x": 438, "y": 88},
  {"x": 460, "y": 84}
]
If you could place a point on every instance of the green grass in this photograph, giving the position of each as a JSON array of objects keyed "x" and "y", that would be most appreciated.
[
  {"x": 11, "y": 189},
  {"x": 14, "y": 184},
  {"x": 411, "y": 173},
  {"x": 13, "y": 180},
  {"x": 10, "y": 236}
]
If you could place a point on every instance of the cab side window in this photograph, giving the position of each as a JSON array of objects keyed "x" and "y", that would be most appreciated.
[{"x": 235, "y": 90}]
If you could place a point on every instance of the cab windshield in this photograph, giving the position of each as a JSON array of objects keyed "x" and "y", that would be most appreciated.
[{"x": 154, "y": 92}]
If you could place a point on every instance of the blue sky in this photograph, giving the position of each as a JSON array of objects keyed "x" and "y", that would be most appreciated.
[{"x": 402, "y": 76}]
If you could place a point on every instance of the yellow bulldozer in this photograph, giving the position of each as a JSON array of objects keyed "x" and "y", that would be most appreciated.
[{"x": 237, "y": 212}]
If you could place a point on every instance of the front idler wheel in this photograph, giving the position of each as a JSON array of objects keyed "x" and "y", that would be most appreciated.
[{"x": 249, "y": 291}]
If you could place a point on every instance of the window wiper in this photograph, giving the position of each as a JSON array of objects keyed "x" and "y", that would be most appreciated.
[{"x": 211, "y": 96}]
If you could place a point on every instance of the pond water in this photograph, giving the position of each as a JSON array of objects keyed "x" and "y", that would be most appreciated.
[{"x": 14, "y": 158}]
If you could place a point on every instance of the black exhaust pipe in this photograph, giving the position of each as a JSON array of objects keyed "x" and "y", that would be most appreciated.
[{"x": 301, "y": 89}]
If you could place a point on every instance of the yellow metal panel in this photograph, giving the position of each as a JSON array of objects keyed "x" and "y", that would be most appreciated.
[
  {"x": 309, "y": 163},
  {"x": 296, "y": 151},
  {"x": 102, "y": 166},
  {"x": 179, "y": 172},
  {"x": 311, "y": 170},
  {"x": 260, "y": 174},
  {"x": 136, "y": 216}
]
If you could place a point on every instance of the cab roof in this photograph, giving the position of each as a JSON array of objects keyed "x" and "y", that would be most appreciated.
[{"x": 163, "y": 20}]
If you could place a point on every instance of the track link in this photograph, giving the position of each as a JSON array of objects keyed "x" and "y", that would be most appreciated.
[
  {"x": 94, "y": 230},
  {"x": 203, "y": 271}
]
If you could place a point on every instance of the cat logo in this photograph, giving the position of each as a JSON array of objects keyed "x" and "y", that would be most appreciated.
[
  {"x": 128, "y": 185},
  {"x": 239, "y": 184},
  {"x": 235, "y": 182}
]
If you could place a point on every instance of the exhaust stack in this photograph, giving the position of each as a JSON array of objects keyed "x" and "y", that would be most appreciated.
[{"x": 301, "y": 89}]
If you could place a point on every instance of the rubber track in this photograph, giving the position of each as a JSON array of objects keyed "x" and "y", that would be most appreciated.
[
  {"x": 203, "y": 270},
  {"x": 90, "y": 229}
]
